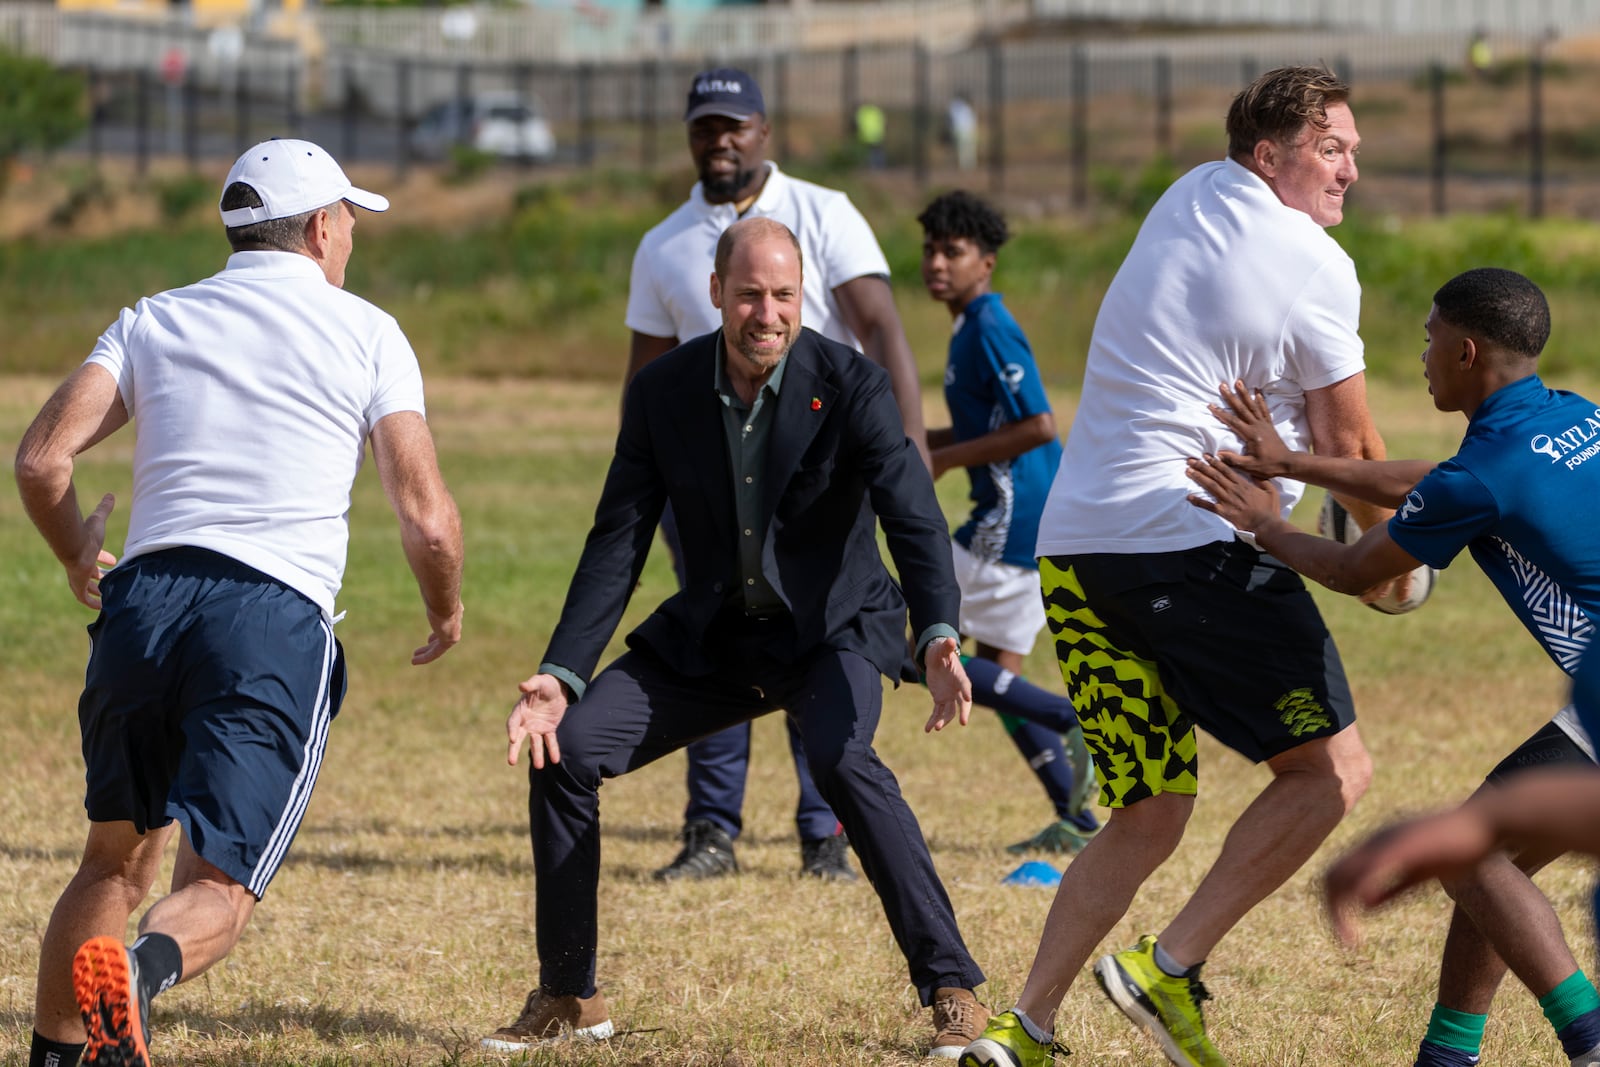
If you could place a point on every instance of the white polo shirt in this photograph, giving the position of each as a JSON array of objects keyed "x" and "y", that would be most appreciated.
[
  {"x": 669, "y": 294},
  {"x": 252, "y": 394},
  {"x": 1224, "y": 282}
]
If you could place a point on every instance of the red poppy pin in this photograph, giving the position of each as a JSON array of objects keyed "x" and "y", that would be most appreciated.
[{"x": 816, "y": 405}]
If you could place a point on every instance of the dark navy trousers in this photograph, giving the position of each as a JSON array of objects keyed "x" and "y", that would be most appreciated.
[
  {"x": 638, "y": 710},
  {"x": 719, "y": 764}
]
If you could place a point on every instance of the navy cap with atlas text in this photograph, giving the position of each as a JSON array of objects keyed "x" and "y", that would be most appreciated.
[{"x": 724, "y": 91}]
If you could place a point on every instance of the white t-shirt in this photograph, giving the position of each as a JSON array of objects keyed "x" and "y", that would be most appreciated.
[
  {"x": 1224, "y": 282},
  {"x": 669, "y": 294},
  {"x": 252, "y": 394}
]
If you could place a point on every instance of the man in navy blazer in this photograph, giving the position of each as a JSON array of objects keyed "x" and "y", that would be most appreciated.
[{"x": 781, "y": 452}]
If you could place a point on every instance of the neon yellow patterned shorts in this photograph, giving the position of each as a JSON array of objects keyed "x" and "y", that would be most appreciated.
[
  {"x": 1142, "y": 743},
  {"x": 1219, "y": 637}
]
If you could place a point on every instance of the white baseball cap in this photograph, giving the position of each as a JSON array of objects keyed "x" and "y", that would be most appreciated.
[{"x": 292, "y": 177}]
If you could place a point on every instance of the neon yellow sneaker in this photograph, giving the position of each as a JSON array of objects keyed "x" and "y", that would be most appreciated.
[
  {"x": 1168, "y": 1007},
  {"x": 1005, "y": 1043}
]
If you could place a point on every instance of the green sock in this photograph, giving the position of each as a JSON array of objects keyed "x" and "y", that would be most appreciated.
[
  {"x": 1573, "y": 997},
  {"x": 1455, "y": 1029}
]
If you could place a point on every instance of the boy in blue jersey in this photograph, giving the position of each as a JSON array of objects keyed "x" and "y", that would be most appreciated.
[
  {"x": 1523, "y": 497},
  {"x": 1003, "y": 433}
]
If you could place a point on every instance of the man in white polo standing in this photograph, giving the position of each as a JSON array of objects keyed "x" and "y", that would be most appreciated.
[
  {"x": 214, "y": 673},
  {"x": 847, "y": 299},
  {"x": 1163, "y": 620}
]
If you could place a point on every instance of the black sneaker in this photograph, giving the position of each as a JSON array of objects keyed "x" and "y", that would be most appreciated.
[
  {"x": 827, "y": 858},
  {"x": 707, "y": 853}
]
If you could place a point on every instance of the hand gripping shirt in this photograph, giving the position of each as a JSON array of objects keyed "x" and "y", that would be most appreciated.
[
  {"x": 669, "y": 292},
  {"x": 1523, "y": 496},
  {"x": 990, "y": 380}
]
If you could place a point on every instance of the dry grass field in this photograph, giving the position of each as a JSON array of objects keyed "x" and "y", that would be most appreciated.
[{"x": 400, "y": 929}]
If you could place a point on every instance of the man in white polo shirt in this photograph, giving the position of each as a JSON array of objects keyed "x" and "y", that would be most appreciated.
[
  {"x": 846, "y": 298},
  {"x": 213, "y": 671},
  {"x": 1163, "y": 619}
]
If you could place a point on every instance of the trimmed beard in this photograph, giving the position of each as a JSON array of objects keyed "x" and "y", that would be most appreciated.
[
  {"x": 721, "y": 190},
  {"x": 754, "y": 359}
]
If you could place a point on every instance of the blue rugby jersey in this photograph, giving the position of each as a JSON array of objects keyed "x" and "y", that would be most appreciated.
[
  {"x": 1523, "y": 496},
  {"x": 991, "y": 379}
]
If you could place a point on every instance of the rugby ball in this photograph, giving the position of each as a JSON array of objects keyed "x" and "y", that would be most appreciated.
[{"x": 1335, "y": 522}]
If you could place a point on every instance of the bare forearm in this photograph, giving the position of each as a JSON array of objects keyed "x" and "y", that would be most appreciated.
[
  {"x": 51, "y": 501},
  {"x": 1324, "y": 561},
  {"x": 83, "y": 411},
  {"x": 1383, "y": 483},
  {"x": 867, "y": 306},
  {"x": 891, "y": 351},
  {"x": 434, "y": 550},
  {"x": 1005, "y": 442},
  {"x": 1558, "y": 807},
  {"x": 1342, "y": 428}
]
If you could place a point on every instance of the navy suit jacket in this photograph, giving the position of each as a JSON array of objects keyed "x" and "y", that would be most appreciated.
[{"x": 838, "y": 463}]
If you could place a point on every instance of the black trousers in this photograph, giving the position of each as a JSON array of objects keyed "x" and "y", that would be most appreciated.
[{"x": 638, "y": 710}]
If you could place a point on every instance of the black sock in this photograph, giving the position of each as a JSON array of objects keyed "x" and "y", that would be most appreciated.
[
  {"x": 47, "y": 1053},
  {"x": 160, "y": 963}
]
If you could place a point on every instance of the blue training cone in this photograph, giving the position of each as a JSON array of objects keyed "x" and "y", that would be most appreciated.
[{"x": 1033, "y": 873}]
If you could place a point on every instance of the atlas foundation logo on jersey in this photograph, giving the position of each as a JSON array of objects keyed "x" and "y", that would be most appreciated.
[
  {"x": 1412, "y": 505},
  {"x": 1572, "y": 446}
]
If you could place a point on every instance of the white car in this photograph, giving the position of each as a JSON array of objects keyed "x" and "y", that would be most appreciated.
[{"x": 499, "y": 124}]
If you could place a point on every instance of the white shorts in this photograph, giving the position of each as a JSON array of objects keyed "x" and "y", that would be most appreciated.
[{"x": 1001, "y": 605}]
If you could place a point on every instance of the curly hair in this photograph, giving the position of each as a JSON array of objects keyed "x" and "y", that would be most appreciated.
[
  {"x": 1500, "y": 306},
  {"x": 960, "y": 214},
  {"x": 1281, "y": 103}
]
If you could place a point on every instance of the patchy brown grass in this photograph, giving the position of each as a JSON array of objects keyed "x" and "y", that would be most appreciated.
[{"x": 400, "y": 930}]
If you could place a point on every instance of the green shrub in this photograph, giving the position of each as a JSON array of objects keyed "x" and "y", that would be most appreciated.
[
  {"x": 467, "y": 164},
  {"x": 41, "y": 108},
  {"x": 179, "y": 197},
  {"x": 85, "y": 186}
]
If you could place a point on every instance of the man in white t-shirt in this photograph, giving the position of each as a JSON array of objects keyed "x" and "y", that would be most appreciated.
[
  {"x": 846, "y": 298},
  {"x": 213, "y": 670},
  {"x": 1162, "y": 618}
]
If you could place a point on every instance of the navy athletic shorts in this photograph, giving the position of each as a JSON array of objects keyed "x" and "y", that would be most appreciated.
[
  {"x": 207, "y": 699},
  {"x": 1550, "y": 746}
]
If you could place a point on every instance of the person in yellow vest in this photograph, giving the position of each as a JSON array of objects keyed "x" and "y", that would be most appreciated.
[
  {"x": 869, "y": 134},
  {"x": 1480, "y": 57}
]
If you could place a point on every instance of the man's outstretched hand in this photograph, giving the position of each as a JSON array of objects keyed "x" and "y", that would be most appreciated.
[{"x": 538, "y": 712}]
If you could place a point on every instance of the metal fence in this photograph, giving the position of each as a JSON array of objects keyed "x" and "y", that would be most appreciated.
[
  {"x": 1525, "y": 18},
  {"x": 1073, "y": 119},
  {"x": 589, "y": 32}
]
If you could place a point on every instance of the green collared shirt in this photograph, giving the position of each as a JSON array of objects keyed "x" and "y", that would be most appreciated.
[{"x": 748, "y": 430}]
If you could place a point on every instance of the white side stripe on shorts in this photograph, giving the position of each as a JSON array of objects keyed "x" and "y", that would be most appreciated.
[{"x": 311, "y": 762}]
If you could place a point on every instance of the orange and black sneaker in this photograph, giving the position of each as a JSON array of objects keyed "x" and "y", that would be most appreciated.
[{"x": 105, "y": 979}]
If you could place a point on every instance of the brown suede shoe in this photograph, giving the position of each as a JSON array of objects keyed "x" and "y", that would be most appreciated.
[
  {"x": 547, "y": 1017},
  {"x": 958, "y": 1021}
]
